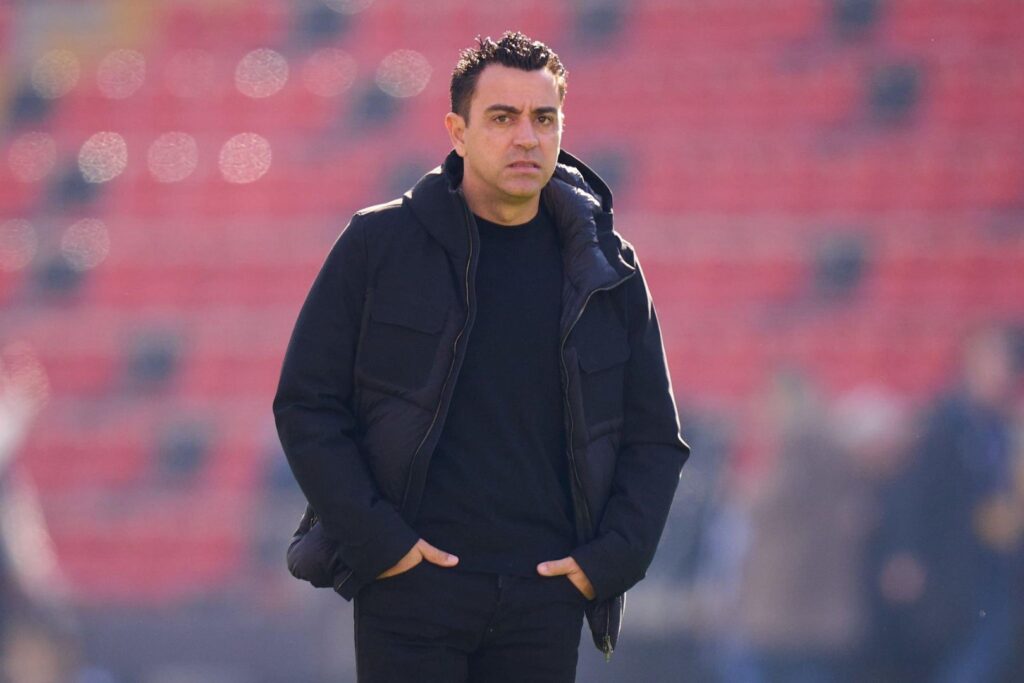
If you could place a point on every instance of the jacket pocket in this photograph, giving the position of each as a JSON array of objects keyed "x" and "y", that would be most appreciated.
[
  {"x": 401, "y": 340},
  {"x": 602, "y": 361}
]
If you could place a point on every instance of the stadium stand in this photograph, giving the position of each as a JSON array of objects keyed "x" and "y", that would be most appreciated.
[{"x": 744, "y": 137}]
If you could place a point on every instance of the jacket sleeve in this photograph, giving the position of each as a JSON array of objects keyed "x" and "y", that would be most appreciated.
[
  {"x": 315, "y": 420},
  {"x": 650, "y": 458}
]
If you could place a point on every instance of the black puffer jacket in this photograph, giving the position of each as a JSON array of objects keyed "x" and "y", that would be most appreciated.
[{"x": 369, "y": 372}]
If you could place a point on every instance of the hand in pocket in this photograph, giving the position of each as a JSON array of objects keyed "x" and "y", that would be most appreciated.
[{"x": 418, "y": 553}]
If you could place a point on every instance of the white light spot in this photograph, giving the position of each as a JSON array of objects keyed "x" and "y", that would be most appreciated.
[
  {"x": 261, "y": 73},
  {"x": 55, "y": 73},
  {"x": 172, "y": 157},
  {"x": 244, "y": 158},
  {"x": 348, "y": 6},
  {"x": 191, "y": 73},
  {"x": 403, "y": 73},
  {"x": 103, "y": 157},
  {"x": 85, "y": 244},
  {"x": 32, "y": 156},
  {"x": 329, "y": 72},
  {"x": 18, "y": 244},
  {"x": 121, "y": 73}
]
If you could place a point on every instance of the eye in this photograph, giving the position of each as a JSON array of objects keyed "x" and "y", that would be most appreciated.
[
  {"x": 546, "y": 119},
  {"x": 501, "y": 118}
]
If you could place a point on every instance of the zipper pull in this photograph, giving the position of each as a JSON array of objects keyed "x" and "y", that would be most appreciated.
[{"x": 607, "y": 648}]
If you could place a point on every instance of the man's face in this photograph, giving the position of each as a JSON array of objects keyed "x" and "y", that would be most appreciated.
[{"x": 511, "y": 142}]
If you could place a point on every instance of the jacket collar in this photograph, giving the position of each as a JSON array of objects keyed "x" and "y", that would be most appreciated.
[{"x": 580, "y": 204}]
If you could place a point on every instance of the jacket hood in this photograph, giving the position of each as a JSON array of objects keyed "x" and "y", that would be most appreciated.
[{"x": 577, "y": 198}]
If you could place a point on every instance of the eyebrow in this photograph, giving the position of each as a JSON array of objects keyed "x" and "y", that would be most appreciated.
[{"x": 509, "y": 109}]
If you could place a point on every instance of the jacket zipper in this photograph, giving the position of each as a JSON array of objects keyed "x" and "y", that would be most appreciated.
[
  {"x": 565, "y": 394},
  {"x": 437, "y": 410},
  {"x": 448, "y": 378},
  {"x": 607, "y": 640},
  {"x": 451, "y": 368}
]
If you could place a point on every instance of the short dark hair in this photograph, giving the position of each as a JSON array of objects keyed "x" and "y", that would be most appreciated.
[{"x": 515, "y": 50}]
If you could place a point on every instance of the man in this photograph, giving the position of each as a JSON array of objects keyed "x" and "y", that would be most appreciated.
[
  {"x": 475, "y": 401},
  {"x": 948, "y": 548}
]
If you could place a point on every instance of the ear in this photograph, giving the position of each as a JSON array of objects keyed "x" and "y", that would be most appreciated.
[{"x": 456, "y": 126}]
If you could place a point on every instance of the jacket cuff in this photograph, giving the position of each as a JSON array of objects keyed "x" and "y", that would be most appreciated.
[
  {"x": 601, "y": 560},
  {"x": 381, "y": 551}
]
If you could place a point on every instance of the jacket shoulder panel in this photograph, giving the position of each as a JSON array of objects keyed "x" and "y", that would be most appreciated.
[
  {"x": 380, "y": 223},
  {"x": 380, "y": 208}
]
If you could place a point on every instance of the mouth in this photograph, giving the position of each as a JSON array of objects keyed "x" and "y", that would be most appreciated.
[{"x": 525, "y": 165}]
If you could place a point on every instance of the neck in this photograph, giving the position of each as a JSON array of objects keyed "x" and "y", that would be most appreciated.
[{"x": 501, "y": 212}]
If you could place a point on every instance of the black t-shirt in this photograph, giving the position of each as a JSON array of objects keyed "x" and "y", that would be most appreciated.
[{"x": 497, "y": 490}]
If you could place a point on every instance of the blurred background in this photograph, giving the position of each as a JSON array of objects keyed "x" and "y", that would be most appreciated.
[{"x": 828, "y": 196}]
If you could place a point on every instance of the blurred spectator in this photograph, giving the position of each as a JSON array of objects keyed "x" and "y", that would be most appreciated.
[
  {"x": 28, "y": 571},
  {"x": 949, "y": 544},
  {"x": 871, "y": 423},
  {"x": 873, "y": 427},
  {"x": 1016, "y": 668},
  {"x": 800, "y": 595},
  {"x": 36, "y": 636}
]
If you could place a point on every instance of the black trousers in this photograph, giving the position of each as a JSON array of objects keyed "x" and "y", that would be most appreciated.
[{"x": 442, "y": 625}]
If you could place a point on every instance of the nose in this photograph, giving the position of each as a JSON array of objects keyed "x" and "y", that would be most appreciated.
[{"x": 525, "y": 135}]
